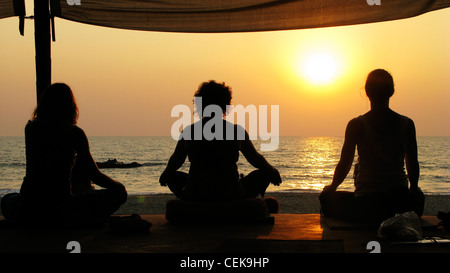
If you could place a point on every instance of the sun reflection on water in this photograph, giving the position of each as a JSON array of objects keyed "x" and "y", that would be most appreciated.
[{"x": 311, "y": 163}]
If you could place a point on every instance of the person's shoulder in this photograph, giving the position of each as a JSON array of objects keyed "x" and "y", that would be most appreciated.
[
  {"x": 30, "y": 123},
  {"x": 408, "y": 124},
  {"x": 192, "y": 125},
  {"x": 29, "y": 126},
  {"x": 355, "y": 129},
  {"x": 406, "y": 120},
  {"x": 36, "y": 125},
  {"x": 356, "y": 121},
  {"x": 238, "y": 130},
  {"x": 72, "y": 127},
  {"x": 187, "y": 132},
  {"x": 235, "y": 126},
  {"x": 76, "y": 131}
]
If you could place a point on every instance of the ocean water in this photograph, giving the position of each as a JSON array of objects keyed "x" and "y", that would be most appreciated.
[{"x": 305, "y": 163}]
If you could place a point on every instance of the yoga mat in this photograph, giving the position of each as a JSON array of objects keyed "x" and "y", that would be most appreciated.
[{"x": 338, "y": 224}]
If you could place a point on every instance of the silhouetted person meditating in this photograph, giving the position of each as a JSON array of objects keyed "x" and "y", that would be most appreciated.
[
  {"x": 57, "y": 187},
  {"x": 213, "y": 173},
  {"x": 385, "y": 140}
]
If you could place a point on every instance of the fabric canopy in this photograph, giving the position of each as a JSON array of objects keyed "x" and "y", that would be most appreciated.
[
  {"x": 9, "y": 8},
  {"x": 237, "y": 15}
]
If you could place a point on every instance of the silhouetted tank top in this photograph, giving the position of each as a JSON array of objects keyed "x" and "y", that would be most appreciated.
[{"x": 381, "y": 159}]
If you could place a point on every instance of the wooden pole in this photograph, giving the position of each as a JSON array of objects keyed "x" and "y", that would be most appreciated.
[{"x": 42, "y": 46}]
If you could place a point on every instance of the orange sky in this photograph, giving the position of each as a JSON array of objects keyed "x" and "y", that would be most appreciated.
[{"x": 126, "y": 82}]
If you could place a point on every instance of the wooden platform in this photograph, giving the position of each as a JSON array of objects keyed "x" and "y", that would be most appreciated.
[{"x": 291, "y": 233}]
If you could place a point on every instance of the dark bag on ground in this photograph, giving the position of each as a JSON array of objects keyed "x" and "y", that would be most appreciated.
[
  {"x": 129, "y": 225},
  {"x": 445, "y": 219},
  {"x": 402, "y": 227}
]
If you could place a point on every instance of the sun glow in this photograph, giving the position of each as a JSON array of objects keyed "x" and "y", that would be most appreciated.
[{"x": 320, "y": 68}]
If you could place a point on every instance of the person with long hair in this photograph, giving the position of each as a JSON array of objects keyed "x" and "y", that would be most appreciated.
[
  {"x": 57, "y": 186},
  {"x": 386, "y": 142}
]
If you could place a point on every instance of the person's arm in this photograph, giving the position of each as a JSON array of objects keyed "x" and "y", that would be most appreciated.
[
  {"x": 175, "y": 162},
  {"x": 89, "y": 165},
  {"x": 258, "y": 161},
  {"x": 411, "y": 158},
  {"x": 347, "y": 155}
]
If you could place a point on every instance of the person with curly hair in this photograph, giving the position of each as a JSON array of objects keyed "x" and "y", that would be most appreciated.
[{"x": 213, "y": 173}]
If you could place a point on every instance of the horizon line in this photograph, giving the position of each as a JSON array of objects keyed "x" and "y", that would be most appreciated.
[{"x": 250, "y": 136}]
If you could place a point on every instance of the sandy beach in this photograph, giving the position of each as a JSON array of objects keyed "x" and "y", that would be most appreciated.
[{"x": 291, "y": 202}]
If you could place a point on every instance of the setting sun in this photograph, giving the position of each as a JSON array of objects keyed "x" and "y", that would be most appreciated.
[{"x": 320, "y": 68}]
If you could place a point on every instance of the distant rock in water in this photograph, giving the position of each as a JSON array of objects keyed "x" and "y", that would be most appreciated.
[{"x": 113, "y": 163}]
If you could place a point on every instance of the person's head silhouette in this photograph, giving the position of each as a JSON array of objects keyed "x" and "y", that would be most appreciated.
[
  {"x": 57, "y": 104},
  {"x": 379, "y": 85},
  {"x": 213, "y": 93}
]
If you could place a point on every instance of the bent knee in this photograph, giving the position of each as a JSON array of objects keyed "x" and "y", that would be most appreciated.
[{"x": 119, "y": 194}]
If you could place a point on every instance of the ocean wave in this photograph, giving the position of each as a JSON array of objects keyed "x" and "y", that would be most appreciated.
[
  {"x": 4, "y": 192},
  {"x": 151, "y": 164},
  {"x": 12, "y": 164},
  {"x": 23, "y": 164}
]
